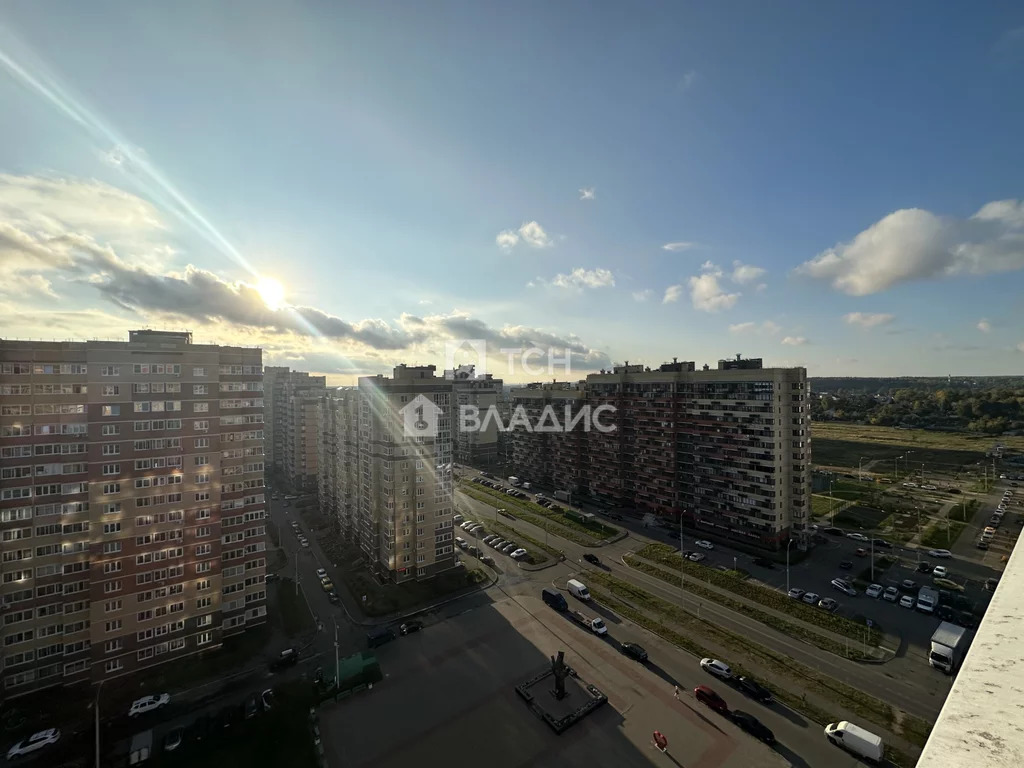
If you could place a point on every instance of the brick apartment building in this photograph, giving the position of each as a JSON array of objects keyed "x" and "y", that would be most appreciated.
[
  {"x": 131, "y": 504},
  {"x": 727, "y": 448}
]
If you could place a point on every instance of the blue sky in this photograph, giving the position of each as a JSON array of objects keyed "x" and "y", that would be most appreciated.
[{"x": 842, "y": 183}]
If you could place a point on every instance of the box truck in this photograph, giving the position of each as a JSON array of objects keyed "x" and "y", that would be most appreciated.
[
  {"x": 947, "y": 647},
  {"x": 513, "y": 481},
  {"x": 578, "y": 589},
  {"x": 856, "y": 740},
  {"x": 562, "y": 495}
]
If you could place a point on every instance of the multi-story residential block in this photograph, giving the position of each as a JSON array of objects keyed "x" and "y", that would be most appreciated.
[
  {"x": 728, "y": 449},
  {"x": 475, "y": 447},
  {"x": 293, "y": 399},
  {"x": 338, "y": 482},
  {"x": 405, "y": 498},
  {"x": 131, "y": 504}
]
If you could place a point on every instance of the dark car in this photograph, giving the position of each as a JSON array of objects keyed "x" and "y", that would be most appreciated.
[
  {"x": 591, "y": 558},
  {"x": 634, "y": 651},
  {"x": 846, "y": 565},
  {"x": 946, "y": 612},
  {"x": 835, "y": 531},
  {"x": 923, "y": 567},
  {"x": 709, "y": 698},
  {"x": 882, "y": 543},
  {"x": 410, "y": 626},
  {"x": 754, "y": 690},
  {"x": 378, "y": 636},
  {"x": 614, "y": 516},
  {"x": 252, "y": 705},
  {"x": 990, "y": 584},
  {"x": 907, "y": 585},
  {"x": 966, "y": 619},
  {"x": 173, "y": 739},
  {"x": 763, "y": 562},
  {"x": 287, "y": 658},
  {"x": 333, "y": 597},
  {"x": 754, "y": 727}
]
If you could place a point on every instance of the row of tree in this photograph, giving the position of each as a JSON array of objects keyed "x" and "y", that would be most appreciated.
[{"x": 990, "y": 406}]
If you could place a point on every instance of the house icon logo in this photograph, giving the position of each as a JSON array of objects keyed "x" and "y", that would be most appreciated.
[{"x": 419, "y": 417}]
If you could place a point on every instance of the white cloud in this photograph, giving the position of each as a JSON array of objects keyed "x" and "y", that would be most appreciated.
[
  {"x": 581, "y": 278},
  {"x": 984, "y": 326},
  {"x": 868, "y": 319},
  {"x": 687, "y": 80},
  {"x": 710, "y": 266},
  {"x": 507, "y": 240},
  {"x": 533, "y": 234},
  {"x": 588, "y": 193},
  {"x": 746, "y": 273},
  {"x": 767, "y": 328},
  {"x": 794, "y": 341},
  {"x": 678, "y": 246},
  {"x": 761, "y": 287},
  {"x": 1020, "y": 347},
  {"x": 643, "y": 295},
  {"x": 672, "y": 293},
  {"x": 23, "y": 286},
  {"x": 913, "y": 244},
  {"x": 707, "y": 295}
]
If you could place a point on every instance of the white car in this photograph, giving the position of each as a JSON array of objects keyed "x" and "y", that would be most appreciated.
[
  {"x": 696, "y": 557},
  {"x": 34, "y": 742},
  {"x": 906, "y": 601},
  {"x": 910, "y": 485},
  {"x": 466, "y": 524},
  {"x": 939, "y": 572},
  {"x": 716, "y": 668},
  {"x": 857, "y": 537},
  {"x": 518, "y": 554},
  {"x": 874, "y": 590},
  {"x": 321, "y": 572},
  {"x": 796, "y": 593},
  {"x": 148, "y": 704},
  {"x": 704, "y": 544},
  {"x": 304, "y": 543},
  {"x": 939, "y": 553},
  {"x": 811, "y": 598},
  {"x": 891, "y": 594},
  {"x": 930, "y": 487}
]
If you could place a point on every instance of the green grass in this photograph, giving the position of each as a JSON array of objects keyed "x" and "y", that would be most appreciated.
[
  {"x": 861, "y": 518},
  {"x": 937, "y": 537},
  {"x": 595, "y": 531},
  {"x": 499, "y": 500},
  {"x": 860, "y": 703},
  {"x": 822, "y": 506},
  {"x": 666, "y": 555},
  {"x": 509, "y": 532}
]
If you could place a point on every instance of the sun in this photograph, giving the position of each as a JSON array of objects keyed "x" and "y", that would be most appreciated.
[{"x": 271, "y": 291}]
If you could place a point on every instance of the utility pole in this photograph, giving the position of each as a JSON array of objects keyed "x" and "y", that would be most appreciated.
[
  {"x": 96, "y": 715},
  {"x": 296, "y": 577},
  {"x": 872, "y": 559},
  {"x": 831, "y": 505},
  {"x": 336, "y": 681},
  {"x": 788, "y": 543},
  {"x": 682, "y": 578}
]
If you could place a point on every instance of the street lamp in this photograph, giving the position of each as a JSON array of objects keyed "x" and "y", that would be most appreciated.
[
  {"x": 860, "y": 471},
  {"x": 831, "y": 505},
  {"x": 96, "y": 715}
]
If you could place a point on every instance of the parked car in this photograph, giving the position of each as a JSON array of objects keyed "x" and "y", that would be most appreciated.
[
  {"x": 891, "y": 594},
  {"x": 811, "y": 598},
  {"x": 844, "y": 586},
  {"x": 908, "y": 585},
  {"x": 173, "y": 739},
  {"x": 289, "y": 657},
  {"x": 883, "y": 543},
  {"x": 754, "y": 689},
  {"x": 34, "y": 743},
  {"x": 754, "y": 727},
  {"x": 149, "y": 704},
  {"x": 321, "y": 573},
  {"x": 411, "y": 626},
  {"x": 591, "y": 558},
  {"x": 857, "y": 537},
  {"x": 518, "y": 554},
  {"x": 509, "y": 548},
  {"x": 946, "y": 612},
  {"x": 496, "y": 543},
  {"x": 828, "y": 604},
  {"x": 949, "y": 584},
  {"x": 907, "y": 601},
  {"x": 846, "y": 565},
  {"x": 704, "y": 544},
  {"x": 709, "y": 698},
  {"x": 835, "y": 531},
  {"x": 634, "y": 651},
  {"x": 332, "y": 597},
  {"x": 967, "y": 620},
  {"x": 939, "y": 572},
  {"x": 990, "y": 584},
  {"x": 717, "y": 668},
  {"x": 874, "y": 590},
  {"x": 924, "y": 567},
  {"x": 796, "y": 593},
  {"x": 982, "y": 544},
  {"x": 861, "y": 552}
]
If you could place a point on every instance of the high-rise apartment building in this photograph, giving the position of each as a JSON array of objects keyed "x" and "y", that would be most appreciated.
[
  {"x": 405, "y": 493},
  {"x": 475, "y": 447},
  {"x": 339, "y": 458},
  {"x": 292, "y": 401},
  {"x": 729, "y": 449},
  {"x": 131, "y": 504}
]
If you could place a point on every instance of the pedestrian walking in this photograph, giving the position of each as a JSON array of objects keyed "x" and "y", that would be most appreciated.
[{"x": 676, "y": 692}]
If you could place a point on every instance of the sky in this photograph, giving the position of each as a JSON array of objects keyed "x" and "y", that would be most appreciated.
[{"x": 355, "y": 185}]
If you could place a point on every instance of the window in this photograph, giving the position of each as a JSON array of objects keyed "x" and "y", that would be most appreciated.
[
  {"x": 112, "y": 586},
  {"x": 204, "y": 637},
  {"x": 200, "y": 407},
  {"x": 202, "y": 442},
  {"x": 109, "y": 488},
  {"x": 111, "y": 527},
  {"x": 113, "y": 626},
  {"x": 204, "y": 549},
  {"x": 203, "y": 477},
  {"x": 111, "y": 605},
  {"x": 200, "y": 389},
  {"x": 112, "y": 410},
  {"x": 110, "y": 370},
  {"x": 195, "y": 371},
  {"x": 114, "y": 665},
  {"x": 111, "y": 547},
  {"x": 203, "y": 532},
  {"x": 202, "y": 584},
  {"x": 110, "y": 390},
  {"x": 204, "y": 602},
  {"x": 204, "y": 621},
  {"x": 201, "y": 460},
  {"x": 200, "y": 568},
  {"x": 112, "y": 567},
  {"x": 111, "y": 449},
  {"x": 111, "y": 469}
]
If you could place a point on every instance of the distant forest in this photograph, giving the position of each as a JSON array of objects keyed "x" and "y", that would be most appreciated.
[{"x": 987, "y": 404}]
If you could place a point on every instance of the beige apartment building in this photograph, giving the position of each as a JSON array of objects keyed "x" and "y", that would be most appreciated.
[
  {"x": 338, "y": 482},
  {"x": 476, "y": 447},
  {"x": 131, "y": 504},
  {"x": 293, "y": 399},
  {"x": 405, "y": 473},
  {"x": 728, "y": 449}
]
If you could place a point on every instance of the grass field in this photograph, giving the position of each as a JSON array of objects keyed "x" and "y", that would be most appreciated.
[{"x": 861, "y": 518}]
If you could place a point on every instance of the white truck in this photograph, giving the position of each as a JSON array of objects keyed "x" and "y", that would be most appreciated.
[
  {"x": 514, "y": 481},
  {"x": 947, "y": 647},
  {"x": 527, "y": 486},
  {"x": 562, "y": 495},
  {"x": 578, "y": 589},
  {"x": 857, "y": 740},
  {"x": 594, "y": 625},
  {"x": 927, "y": 599}
]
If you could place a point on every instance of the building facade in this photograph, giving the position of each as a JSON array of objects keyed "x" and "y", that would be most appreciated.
[
  {"x": 293, "y": 400},
  {"x": 479, "y": 394},
  {"x": 727, "y": 448},
  {"x": 405, "y": 496},
  {"x": 338, "y": 481},
  {"x": 131, "y": 504}
]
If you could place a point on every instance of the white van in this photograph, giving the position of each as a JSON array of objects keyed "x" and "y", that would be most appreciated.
[
  {"x": 578, "y": 589},
  {"x": 857, "y": 740}
]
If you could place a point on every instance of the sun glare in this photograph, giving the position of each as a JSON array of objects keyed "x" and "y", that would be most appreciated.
[{"x": 271, "y": 291}]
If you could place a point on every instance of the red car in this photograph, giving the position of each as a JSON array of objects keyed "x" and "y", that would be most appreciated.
[{"x": 711, "y": 699}]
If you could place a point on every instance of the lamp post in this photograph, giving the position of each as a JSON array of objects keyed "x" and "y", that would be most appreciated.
[
  {"x": 788, "y": 543},
  {"x": 831, "y": 505},
  {"x": 96, "y": 716},
  {"x": 860, "y": 471},
  {"x": 682, "y": 578}
]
